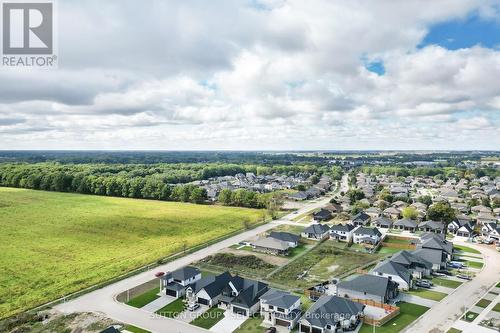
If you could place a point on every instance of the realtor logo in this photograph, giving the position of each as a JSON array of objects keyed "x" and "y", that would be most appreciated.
[{"x": 28, "y": 29}]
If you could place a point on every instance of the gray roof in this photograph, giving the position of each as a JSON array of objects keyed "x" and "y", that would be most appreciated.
[
  {"x": 433, "y": 241},
  {"x": 360, "y": 217},
  {"x": 327, "y": 309},
  {"x": 436, "y": 225},
  {"x": 367, "y": 231},
  {"x": 393, "y": 268},
  {"x": 431, "y": 255},
  {"x": 406, "y": 258},
  {"x": 370, "y": 284},
  {"x": 185, "y": 273},
  {"x": 215, "y": 284},
  {"x": 342, "y": 227},
  {"x": 249, "y": 291},
  {"x": 406, "y": 223},
  {"x": 284, "y": 236},
  {"x": 271, "y": 243},
  {"x": 317, "y": 229},
  {"x": 383, "y": 221},
  {"x": 279, "y": 298}
]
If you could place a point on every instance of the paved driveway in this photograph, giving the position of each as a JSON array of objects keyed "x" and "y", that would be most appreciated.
[
  {"x": 417, "y": 300},
  {"x": 229, "y": 323},
  {"x": 158, "y": 303}
]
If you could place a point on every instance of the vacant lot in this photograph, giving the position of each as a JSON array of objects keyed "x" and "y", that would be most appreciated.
[{"x": 56, "y": 243}]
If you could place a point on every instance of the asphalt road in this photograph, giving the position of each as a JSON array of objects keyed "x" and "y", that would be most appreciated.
[
  {"x": 103, "y": 300},
  {"x": 442, "y": 316}
]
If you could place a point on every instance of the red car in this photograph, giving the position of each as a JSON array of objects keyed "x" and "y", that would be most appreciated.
[{"x": 159, "y": 274}]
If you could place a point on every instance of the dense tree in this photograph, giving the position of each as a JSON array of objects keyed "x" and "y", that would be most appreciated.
[
  {"x": 441, "y": 211},
  {"x": 425, "y": 199},
  {"x": 355, "y": 195},
  {"x": 409, "y": 213}
]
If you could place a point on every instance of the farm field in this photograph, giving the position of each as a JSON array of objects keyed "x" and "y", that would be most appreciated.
[{"x": 57, "y": 243}]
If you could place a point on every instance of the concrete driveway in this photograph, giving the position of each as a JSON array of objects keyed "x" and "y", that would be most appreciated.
[
  {"x": 158, "y": 303},
  {"x": 229, "y": 323}
]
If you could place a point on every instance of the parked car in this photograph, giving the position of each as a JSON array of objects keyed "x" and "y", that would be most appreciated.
[
  {"x": 159, "y": 274},
  {"x": 193, "y": 306},
  {"x": 456, "y": 264},
  {"x": 464, "y": 277},
  {"x": 438, "y": 274},
  {"x": 424, "y": 284},
  {"x": 271, "y": 330}
]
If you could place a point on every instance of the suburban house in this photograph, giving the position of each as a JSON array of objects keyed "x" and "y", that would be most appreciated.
[
  {"x": 298, "y": 196},
  {"x": 364, "y": 235},
  {"x": 406, "y": 224},
  {"x": 175, "y": 283},
  {"x": 418, "y": 266},
  {"x": 383, "y": 223},
  {"x": 373, "y": 287},
  {"x": 360, "y": 219},
  {"x": 396, "y": 272},
  {"x": 291, "y": 239},
  {"x": 279, "y": 308},
  {"x": 238, "y": 294},
  {"x": 483, "y": 218},
  {"x": 438, "y": 242},
  {"x": 322, "y": 215},
  {"x": 373, "y": 212},
  {"x": 271, "y": 245},
  {"x": 331, "y": 314},
  {"x": 453, "y": 226},
  {"x": 392, "y": 213},
  {"x": 342, "y": 232},
  {"x": 431, "y": 226},
  {"x": 465, "y": 231},
  {"x": 491, "y": 230},
  {"x": 316, "y": 231},
  {"x": 248, "y": 293}
]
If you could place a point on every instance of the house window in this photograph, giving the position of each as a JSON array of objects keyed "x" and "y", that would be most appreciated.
[{"x": 281, "y": 310}]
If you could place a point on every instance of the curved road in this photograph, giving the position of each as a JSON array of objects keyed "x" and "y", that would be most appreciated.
[
  {"x": 441, "y": 317},
  {"x": 103, "y": 300}
]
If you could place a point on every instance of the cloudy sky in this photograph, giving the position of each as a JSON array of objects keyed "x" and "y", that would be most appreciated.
[{"x": 262, "y": 74}]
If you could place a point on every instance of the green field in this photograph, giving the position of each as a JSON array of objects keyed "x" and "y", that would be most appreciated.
[
  {"x": 429, "y": 294},
  {"x": 55, "y": 243}
]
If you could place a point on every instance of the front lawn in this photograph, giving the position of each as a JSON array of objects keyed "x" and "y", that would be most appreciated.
[
  {"x": 144, "y": 299},
  {"x": 296, "y": 251},
  {"x": 428, "y": 294},
  {"x": 474, "y": 264},
  {"x": 466, "y": 249},
  {"x": 483, "y": 303},
  {"x": 470, "y": 316},
  {"x": 446, "y": 283},
  {"x": 496, "y": 308},
  {"x": 394, "y": 240},
  {"x": 453, "y": 330},
  {"x": 173, "y": 309},
  {"x": 408, "y": 313},
  {"x": 251, "y": 325},
  {"x": 135, "y": 329},
  {"x": 387, "y": 250},
  {"x": 208, "y": 319}
]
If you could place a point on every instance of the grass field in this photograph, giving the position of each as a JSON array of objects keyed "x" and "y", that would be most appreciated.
[
  {"x": 144, "y": 299},
  {"x": 56, "y": 243},
  {"x": 429, "y": 294},
  {"x": 409, "y": 313},
  {"x": 173, "y": 309},
  {"x": 209, "y": 318},
  {"x": 466, "y": 249}
]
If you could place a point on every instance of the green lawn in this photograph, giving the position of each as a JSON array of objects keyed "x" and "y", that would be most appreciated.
[
  {"x": 429, "y": 294},
  {"x": 446, "y": 283},
  {"x": 409, "y": 313},
  {"x": 496, "y": 308},
  {"x": 474, "y": 264},
  {"x": 173, "y": 309},
  {"x": 470, "y": 316},
  {"x": 60, "y": 242},
  {"x": 453, "y": 330},
  {"x": 135, "y": 329},
  {"x": 466, "y": 249},
  {"x": 251, "y": 325},
  {"x": 146, "y": 298},
  {"x": 209, "y": 318},
  {"x": 296, "y": 251},
  {"x": 393, "y": 240},
  {"x": 483, "y": 303},
  {"x": 387, "y": 250}
]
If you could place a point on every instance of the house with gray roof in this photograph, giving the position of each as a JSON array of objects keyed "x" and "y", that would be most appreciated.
[
  {"x": 380, "y": 289},
  {"x": 431, "y": 226},
  {"x": 316, "y": 231},
  {"x": 418, "y": 266},
  {"x": 331, "y": 314},
  {"x": 406, "y": 224},
  {"x": 364, "y": 235},
  {"x": 361, "y": 219},
  {"x": 248, "y": 293},
  {"x": 175, "y": 283},
  {"x": 342, "y": 232},
  {"x": 291, "y": 239},
  {"x": 383, "y": 223},
  {"x": 280, "y": 308},
  {"x": 271, "y": 245},
  {"x": 395, "y": 271}
]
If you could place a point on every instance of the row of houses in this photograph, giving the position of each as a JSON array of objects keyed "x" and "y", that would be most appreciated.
[{"x": 247, "y": 297}]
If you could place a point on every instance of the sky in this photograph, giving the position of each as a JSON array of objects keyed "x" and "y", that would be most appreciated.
[{"x": 262, "y": 75}]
